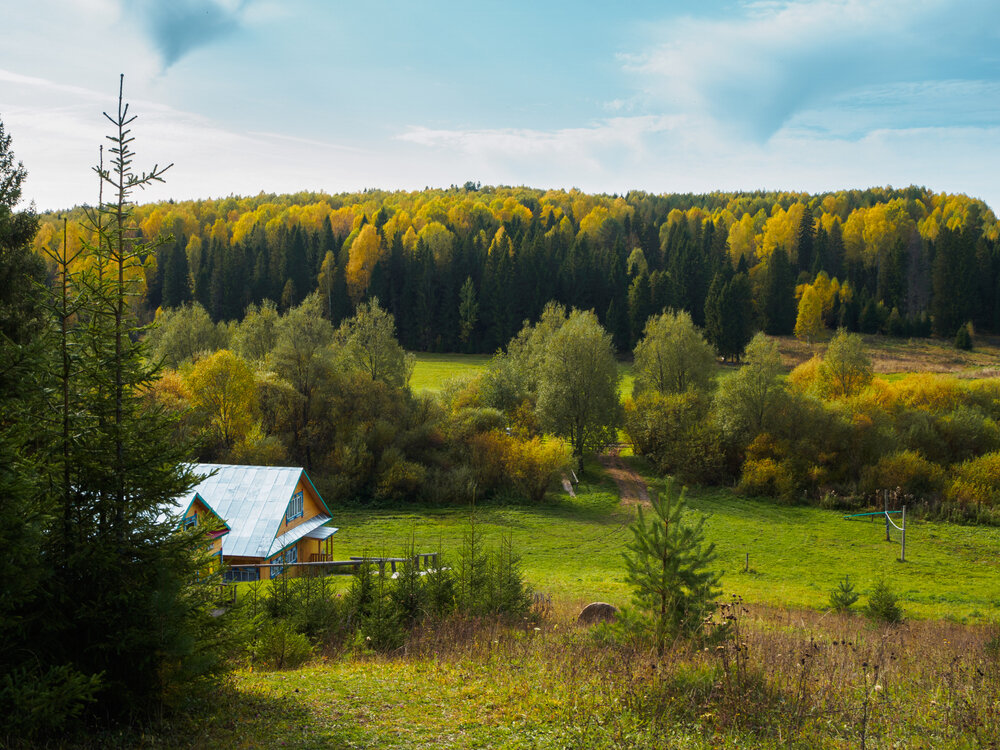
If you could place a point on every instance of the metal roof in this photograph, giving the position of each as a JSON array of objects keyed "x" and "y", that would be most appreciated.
[
  {"x": 177, "y": 509},
  {"x": 253, "y": 501}
]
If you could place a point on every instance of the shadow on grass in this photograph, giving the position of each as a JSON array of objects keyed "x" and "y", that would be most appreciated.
[{"x": 236, "y": 716}]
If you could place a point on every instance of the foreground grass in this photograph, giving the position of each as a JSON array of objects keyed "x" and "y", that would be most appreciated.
[{"x": 803, "y": 681}]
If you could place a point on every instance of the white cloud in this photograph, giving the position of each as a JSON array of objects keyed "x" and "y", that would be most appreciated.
[{"x": 755, "y": 71}]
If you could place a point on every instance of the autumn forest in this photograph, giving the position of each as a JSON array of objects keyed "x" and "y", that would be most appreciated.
[{"x": 461, "y": 269}]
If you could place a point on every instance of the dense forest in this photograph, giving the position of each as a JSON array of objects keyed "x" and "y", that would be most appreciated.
[{"x": 461, "y": 269}]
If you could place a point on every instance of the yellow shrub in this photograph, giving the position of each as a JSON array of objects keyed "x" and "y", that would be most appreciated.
[
  {"x": 805, "y": 376},
  {"x": 907, "y": 470},
  {"x": 768, "y": 477},
  {"x": 977, "y": 482}
]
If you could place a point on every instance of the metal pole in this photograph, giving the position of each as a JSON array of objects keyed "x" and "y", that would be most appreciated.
[
  {"x": 902, "y": 553},
  {"x": 885, "y": 497}
]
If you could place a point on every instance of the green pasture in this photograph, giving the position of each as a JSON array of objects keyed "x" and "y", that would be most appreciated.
[
  {"x": 431, "y": 371},
  {"x": 572, "y": 547}
]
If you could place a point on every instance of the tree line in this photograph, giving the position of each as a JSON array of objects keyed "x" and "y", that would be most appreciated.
[{"x": 461, "y": 269}]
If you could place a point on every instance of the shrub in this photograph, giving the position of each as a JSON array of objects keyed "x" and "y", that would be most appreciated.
[
  {"x": 766, "y": 477},
  {"x": 883, "y": 605},
  {"x": 676, "y": 434},
  {"x": 963, "y": 337},
  {"x": 976, "y": 483},
  {"x": 280, "y": 646},
  {"x": 806, "y": 376},
  {"x": 843, "y": 596},
  {"x": 908, "y": 470}
]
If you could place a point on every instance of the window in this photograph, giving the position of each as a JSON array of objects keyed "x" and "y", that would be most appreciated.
[
  {"x": 291, "y": 555},
  {"x": 296, "y": 507},
  {"x": 189, "y": 522}
]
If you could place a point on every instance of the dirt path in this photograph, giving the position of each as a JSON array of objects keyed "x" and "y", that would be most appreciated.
[{"x": 631, "y": 487}]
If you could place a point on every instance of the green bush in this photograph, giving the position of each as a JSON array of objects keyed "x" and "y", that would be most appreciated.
[
  {"x": 843, "y": 596},
  {"x": 676, "y": 433},
  {"x": 280, "y": 646},
  {"x": 963, "y": 337},
  {"x": 883, "y": 605},
  {"x": 765, "y": 477}
]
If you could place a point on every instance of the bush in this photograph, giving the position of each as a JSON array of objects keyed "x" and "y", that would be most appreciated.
[
  {"x": 280, "y": 646},
  {"x": 766, "y": 477},
  {"x": 963, "y": 337},
  {"x": 676, "y": 433},
  {"x": 805, "y": 377},
  {"x": 883, "y": 605},
  {"x": 908, "y": 470},
  {"x": 976, "y": 483},
  {"x": 843, "y": 596}
]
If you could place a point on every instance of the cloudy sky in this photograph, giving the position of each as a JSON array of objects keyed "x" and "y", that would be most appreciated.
[{"x": 286, "y": 95}]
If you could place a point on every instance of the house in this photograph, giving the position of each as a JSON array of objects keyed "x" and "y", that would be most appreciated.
[
  {"x": 192, "y": 511},
  {"x": 274, "y": 515}
]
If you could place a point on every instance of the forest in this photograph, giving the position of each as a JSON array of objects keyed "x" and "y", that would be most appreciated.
[{"x": 461, "y": 269}]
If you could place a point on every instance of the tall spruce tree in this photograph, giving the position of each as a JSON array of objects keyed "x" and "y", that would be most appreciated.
[
  {"x": 779, "y": 309},
  {"x": 124, "y": 610}
]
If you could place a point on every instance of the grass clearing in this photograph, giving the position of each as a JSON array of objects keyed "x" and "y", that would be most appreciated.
[
  {"x": 431, "y": 371},
  {"x": 571, "y": 548}
]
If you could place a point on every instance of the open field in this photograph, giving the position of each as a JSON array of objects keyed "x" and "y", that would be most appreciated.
[
  {"x": 431, "y": 371},
  {"x": 892, "y": 356},
  {"x": 571, "y": 548}
]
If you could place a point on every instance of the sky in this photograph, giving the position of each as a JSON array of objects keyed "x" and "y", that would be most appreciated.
[{"x": 244, "y": 96}]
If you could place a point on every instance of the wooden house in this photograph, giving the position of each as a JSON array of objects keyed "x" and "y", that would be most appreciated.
[
  {"x": 192, "y": 511},
  {"x": 274, "y": 515}
]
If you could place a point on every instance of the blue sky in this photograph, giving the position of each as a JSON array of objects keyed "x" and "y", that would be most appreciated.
[{"x": 286, "y": 95}]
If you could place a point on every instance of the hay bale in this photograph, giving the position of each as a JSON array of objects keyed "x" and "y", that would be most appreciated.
[{"x": 597, "y": 612}]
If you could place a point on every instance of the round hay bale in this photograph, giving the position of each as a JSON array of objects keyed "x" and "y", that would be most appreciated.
[{"x": 597, "y": 612}]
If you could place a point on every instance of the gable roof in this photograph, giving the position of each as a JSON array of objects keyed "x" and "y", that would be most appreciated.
[
  {"x": 253, "y": 501},
  {"x": 179, "y": 509}
]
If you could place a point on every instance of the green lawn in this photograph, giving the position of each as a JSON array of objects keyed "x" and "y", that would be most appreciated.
[
  {"x": 431, "y": 371},
  {"x": 572, "y": 549}
]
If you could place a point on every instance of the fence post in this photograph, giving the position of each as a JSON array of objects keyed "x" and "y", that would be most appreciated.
[
  {"x": 885, "y": 497},
  {"x": 902, "y": 554}
]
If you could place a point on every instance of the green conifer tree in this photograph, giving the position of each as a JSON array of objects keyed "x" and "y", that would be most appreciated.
[{"x": 667, "y": 565}]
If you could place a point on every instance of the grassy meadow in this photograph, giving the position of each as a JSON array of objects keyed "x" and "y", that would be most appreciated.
[
  {"x": 572, "y": 549},
  {"x": 790, "y": 674}
]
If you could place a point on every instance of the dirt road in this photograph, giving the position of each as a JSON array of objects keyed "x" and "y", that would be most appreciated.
[{"x": 631, "y": 487}]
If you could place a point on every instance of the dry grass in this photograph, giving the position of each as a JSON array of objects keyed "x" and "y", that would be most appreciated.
[{"x": 893, "y": 356}]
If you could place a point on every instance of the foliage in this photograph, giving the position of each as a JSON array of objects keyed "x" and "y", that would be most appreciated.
[
  {"x": 843, "y": 596},
  {"x": 280, "y": 646},
  {"x": 907, "y": 470},
  {"x": 183, "y": 334},
  {"x": 223, "y": 390},
  {"x": 369, "y": 344},
  {"x": 677, "y": 434},
  {"x": 963, "y": 338},
  {"x": 846, "y": 368},
  {"x": 578, "y": 384},
  {"x": 744, "y": 400},
  {"x": 667, "y": 567},
  {"x": 883, "y": 605},
  {"x": 672, "y": 356},
  {"x": 110, "y": 466},
  {"x": 976, "y": 482}
]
